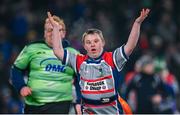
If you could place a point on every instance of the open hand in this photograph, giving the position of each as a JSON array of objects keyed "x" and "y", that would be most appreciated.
[{"x": 143, "y": 15}]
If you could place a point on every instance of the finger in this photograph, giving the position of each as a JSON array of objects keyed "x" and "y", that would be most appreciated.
[
  {"x": 49, "y": 14},
  {"x": 29, "y": 91},
  {"x": 143, "y": 10},
  {"x": 50, "y": 17},
  {"x": 24, "y": 94},
  {"x": 142, "y": 13},
  {"x": 147, "y": 11}
]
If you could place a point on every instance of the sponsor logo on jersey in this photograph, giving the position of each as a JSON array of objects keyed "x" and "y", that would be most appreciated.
[
  {"x": 56, "y": 68},
  {"x": 52, "y": 65},
  {"x": 94, "y": 86}
]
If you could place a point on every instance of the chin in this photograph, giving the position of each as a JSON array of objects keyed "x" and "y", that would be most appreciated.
[
  {"x": 95, "y": 56},
  {"x": 92, "y": 56}
]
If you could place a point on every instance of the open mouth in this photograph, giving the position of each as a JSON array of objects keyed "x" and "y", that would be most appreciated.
[{"x": 93, "y": 50}]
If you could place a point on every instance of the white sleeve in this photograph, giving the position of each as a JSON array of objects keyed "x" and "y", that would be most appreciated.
[
  {"x": 69, "y": 59},
  {"x": 120, "y": 58}
]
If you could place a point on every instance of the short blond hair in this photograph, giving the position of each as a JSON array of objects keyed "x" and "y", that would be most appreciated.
[{"x": 93, "y": 31}]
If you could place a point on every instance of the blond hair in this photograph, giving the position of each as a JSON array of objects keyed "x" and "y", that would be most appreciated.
[{"x": 93, "y": 31}]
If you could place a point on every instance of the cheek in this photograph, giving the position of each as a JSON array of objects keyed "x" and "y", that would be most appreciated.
[
  {"x": 100, "y": 45},
  {"x": 49, "y": 40},
  {"x": 48, "y": 34},
  {"x": 86, "y": 47}
]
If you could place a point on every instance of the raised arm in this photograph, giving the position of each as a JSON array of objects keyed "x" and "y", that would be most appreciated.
[
  {"x": 56, "y": 38},
  {"x": 135, "y": 31}
]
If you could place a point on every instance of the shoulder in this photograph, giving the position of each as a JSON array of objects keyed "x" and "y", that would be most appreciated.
[
  {"x": 107, "y": 55},
  {"x": 36, "y": 42},
  {"x": 80, "y": 59},
  {"x": 34, "y": 46},
  {"x": 72, "y": 50}
]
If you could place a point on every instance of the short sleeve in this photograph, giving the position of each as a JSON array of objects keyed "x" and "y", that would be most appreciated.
[
  {"x": 23, "y": 59},
  {"x": 70, "y": 59},
  {"x": 120, "y": 58}
]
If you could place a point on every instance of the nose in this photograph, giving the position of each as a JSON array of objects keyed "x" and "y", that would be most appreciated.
[{"x": 92, "y": 44}]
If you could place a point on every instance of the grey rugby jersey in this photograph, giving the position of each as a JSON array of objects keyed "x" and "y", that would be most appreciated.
[{"x": 98, "y": 78}]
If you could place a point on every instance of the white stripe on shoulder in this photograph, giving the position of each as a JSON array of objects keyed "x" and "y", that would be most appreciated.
[
  {"x": 121, "y": 51},
  {"x": 115, "y": 60}
]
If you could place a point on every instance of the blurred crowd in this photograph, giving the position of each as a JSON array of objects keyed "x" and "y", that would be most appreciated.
[{"x": 22, "y": 22}]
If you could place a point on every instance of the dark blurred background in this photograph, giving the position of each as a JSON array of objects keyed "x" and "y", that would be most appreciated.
[{"x": 22, "y": 21}]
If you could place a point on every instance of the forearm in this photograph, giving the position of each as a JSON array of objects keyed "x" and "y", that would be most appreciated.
[
  {"x": 57, "y": 44},
  {"x": 133, "y": 38},
  {"x": 134, "y": 35},
  {"x": 17, "y": 78}
]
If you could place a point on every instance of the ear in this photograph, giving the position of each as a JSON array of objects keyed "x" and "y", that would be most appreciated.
[{"x": 44, "y": 34}]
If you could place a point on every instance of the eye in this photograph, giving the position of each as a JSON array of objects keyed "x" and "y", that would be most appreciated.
[
  {"x": 63, "y": 30},
  {"x": 88, "y": 42},
  {"x": 49, "y": 30},
  {"x": 96, "y": 41}
]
